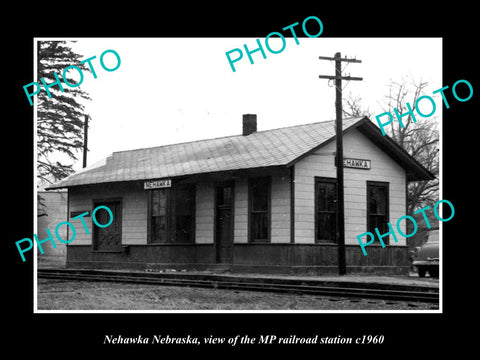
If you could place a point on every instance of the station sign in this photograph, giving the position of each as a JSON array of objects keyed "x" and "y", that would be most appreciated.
[
  {"x": 157, "y": 184},
  {"x": 357, "y": 163}
]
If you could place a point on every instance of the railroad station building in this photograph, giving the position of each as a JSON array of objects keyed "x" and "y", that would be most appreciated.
[{"x": 262, "y": 201}]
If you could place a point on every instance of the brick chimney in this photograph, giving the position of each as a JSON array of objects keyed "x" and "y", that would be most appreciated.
[{"x": 249, "y": 124}]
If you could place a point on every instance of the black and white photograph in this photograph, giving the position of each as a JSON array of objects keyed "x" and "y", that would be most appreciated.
[
  {"x": 290, "y": 184},
  {"x": 214, "y": 189}
]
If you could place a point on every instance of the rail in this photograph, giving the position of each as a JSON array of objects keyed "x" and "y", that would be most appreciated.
[{"x": 279, "y": 285}]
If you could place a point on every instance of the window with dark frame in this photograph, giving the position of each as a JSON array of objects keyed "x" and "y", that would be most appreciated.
[
  {"x": 172, "y": 214},
  {"x": 159, "y": 215},
  {"x": 224, "y": 196},
  {"x": 378, "y": 208},
  {"x": 325, "y": 209},
  {"x": 185, "y": 214},
  {"x": 108, "y": 238},
  {"x": 259, "y": 206}
]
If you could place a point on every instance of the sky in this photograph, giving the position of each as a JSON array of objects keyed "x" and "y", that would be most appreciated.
[{"x": 172, "y": 90}]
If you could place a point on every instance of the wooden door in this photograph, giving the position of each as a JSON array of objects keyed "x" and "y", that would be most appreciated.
[
  {"x": 378, "y": 208},
  {"x": 108, "y": 238},
  {"x": 224, "y": 223}
]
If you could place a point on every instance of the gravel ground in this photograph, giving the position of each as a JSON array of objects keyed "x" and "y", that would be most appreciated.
[
  {"x": 85, "y": 295},
  {"x": 45, "y": 261}
]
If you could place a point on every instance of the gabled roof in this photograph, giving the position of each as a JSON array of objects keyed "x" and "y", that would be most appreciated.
[{"x": 277, "y": 147}]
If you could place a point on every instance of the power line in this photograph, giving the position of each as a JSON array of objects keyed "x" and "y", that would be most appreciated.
[{"x": 340, "y": 218}]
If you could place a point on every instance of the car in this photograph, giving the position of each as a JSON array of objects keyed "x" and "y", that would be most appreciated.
[{"x": 426, "y": 257}]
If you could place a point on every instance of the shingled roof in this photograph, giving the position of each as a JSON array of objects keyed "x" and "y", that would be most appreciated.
[{"x": 277, "y": 147}]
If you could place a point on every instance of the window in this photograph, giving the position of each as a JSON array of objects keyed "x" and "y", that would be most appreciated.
[
  {"x": 224, "y": 196},
  {"x": 325, "y": 209},
  {"x": 159, "y": 219},
  {"x": 185, "y": 214},
  {"x": 172, "y": 214},
  {"x": 378, "y": 208},
  {"x": 108, "y": 238},
  {"x": 259, "y": 204}
]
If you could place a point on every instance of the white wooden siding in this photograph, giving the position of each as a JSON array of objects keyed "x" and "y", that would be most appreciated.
[
  {"x": 321, "y": 164},
  {"x": 134, "y": 212},
  {"x": 204, "y": 213},
  {"x": 240, "y": 212},
  {"x": 279, "y": 206}
]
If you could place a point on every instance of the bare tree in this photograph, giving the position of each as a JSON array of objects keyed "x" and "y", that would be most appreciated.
[
  {"x": 420, "y": 139},
  {"x": 353, "y": 107}
]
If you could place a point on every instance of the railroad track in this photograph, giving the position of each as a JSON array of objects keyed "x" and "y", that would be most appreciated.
[{"x": 279, "y": 285}]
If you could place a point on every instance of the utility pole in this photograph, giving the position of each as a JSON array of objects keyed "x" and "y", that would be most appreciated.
[
  {"x": 85, "y": 141},
  {"x": 342, "y": 267}
]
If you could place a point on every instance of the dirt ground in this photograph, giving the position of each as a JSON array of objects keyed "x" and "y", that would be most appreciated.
[
  {"x": 85, "y": 295},
  {"x": 44, "y": 261}
]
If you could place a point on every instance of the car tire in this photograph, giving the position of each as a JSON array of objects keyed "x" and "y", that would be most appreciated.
[
  {"x": 421, "y": 271},
  {"x": 433, "y": 271}
]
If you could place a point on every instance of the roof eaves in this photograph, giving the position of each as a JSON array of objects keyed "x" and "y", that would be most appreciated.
[
  {"x": 415, "y": 170},
  {"x": 355, "y": 124}
]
